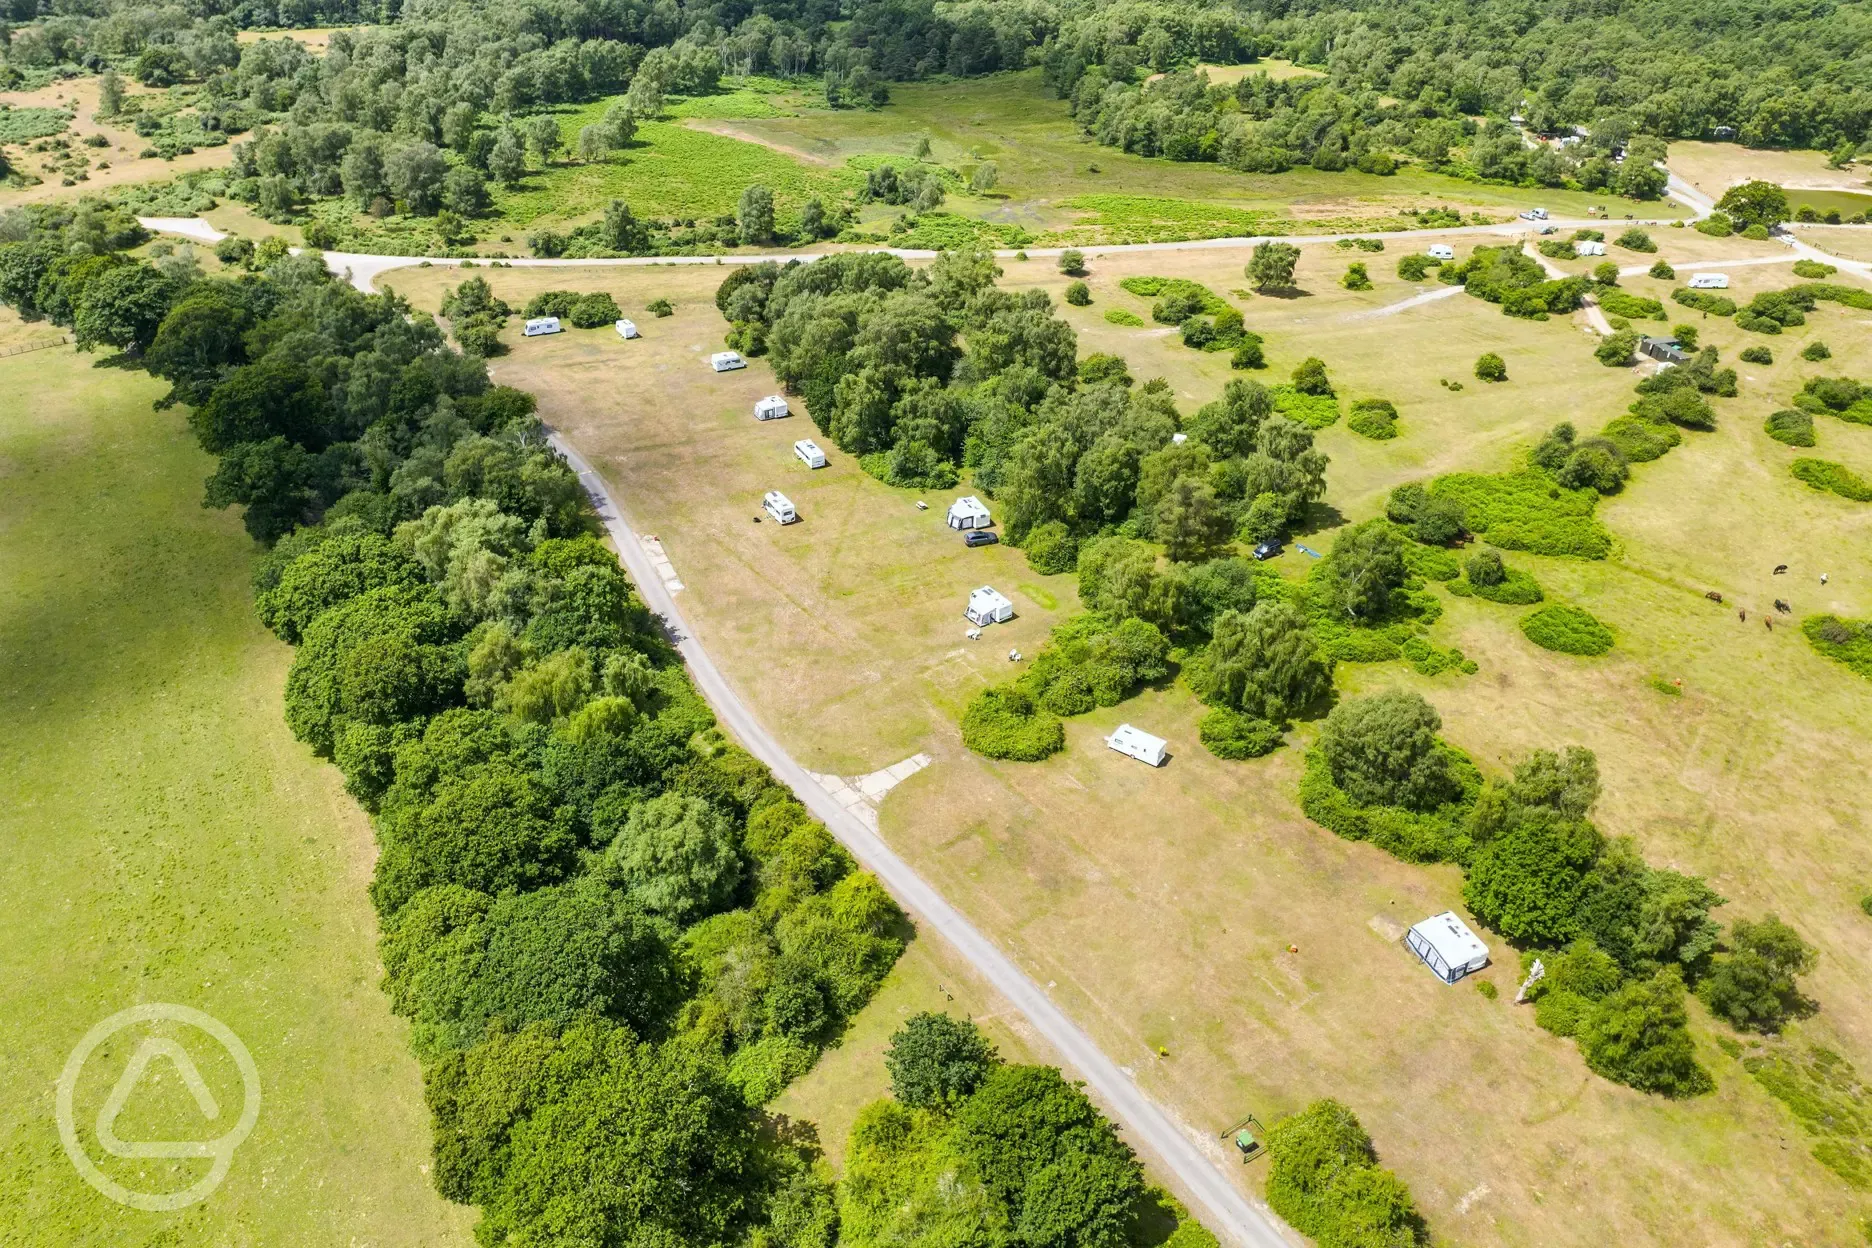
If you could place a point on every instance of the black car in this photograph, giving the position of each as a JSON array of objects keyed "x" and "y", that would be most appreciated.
[
  {"x": 1267, "y": 550},
  {"x": 979, "y": 537}
]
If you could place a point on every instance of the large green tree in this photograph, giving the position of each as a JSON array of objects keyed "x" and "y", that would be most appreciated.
[{"x": 1383, "y": 751}]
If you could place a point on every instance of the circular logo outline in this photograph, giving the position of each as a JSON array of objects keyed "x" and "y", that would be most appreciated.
[{"x": 221, "y": 1150}]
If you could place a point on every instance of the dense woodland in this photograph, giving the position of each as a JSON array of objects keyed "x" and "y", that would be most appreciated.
[{"x": 423, "y": 113}]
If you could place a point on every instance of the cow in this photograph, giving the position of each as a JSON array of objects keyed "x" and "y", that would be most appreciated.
[
  {"x": 1780, "y": 568},
  {"x": 1713, "y": 596},
  {"x": 1782, "y": 606}
]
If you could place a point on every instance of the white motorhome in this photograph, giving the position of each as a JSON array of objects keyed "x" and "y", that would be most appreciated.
[
  {"x": 1440, "y": 251},
  {"x": 628, "y": 329},
  {"x": 969, "y": 512},
  {"x": 773, "y": 407},
  {"x": 809, "y": 453},
  {"x": 1587, "y": 247},
  {"x": 987, "y": 606},
  {"x": 724, "y": 361},
  {"x": 1138, "y": 744},
  {"x": 1447, "y": 946},
  {"x": 1709, "y": 281},
  {"x": 541, "y": 325},
  {"x": 779, "y": 506}
]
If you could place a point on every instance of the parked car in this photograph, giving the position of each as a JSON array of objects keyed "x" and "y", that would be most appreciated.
[
  {"x": 979, "y": 537},
  {"x": 1267, "y": 550}
]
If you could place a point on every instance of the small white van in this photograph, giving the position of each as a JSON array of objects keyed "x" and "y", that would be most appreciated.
[
  {"x": 779, "y": 506},
  {"x": 723, "y": 361},
  {"x": 541, "y": 325},
  {"x": 628, "y": 329},
  {"x": 1441, "y": 251},
  {"x": 809, "y": 453}
]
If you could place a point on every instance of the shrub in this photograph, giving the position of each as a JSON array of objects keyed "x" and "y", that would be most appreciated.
[
  {"x": 1527, "y": 511},
  {"x": 1754, "y": 985},
  {"x": 1639, "y": 1036},
  {"x": 660, "y": 307},
  {"x": 1415, "y": 267},
  {"x": 1756, "y": 233},
  {"x": 1635, "y": 239},
  {"x": 1704, "y": 301},
  {"x": 1312, "y": 411},
  {"x": 1813, "y": 270},
  {"x": 1248, "y": 355},
  {"x": 1501, "y": 583},
  {"x": 1615, "y": 350},
  {"x": 1079, "y": 295},
  {"x": 1816, "y": 351},
  {"x": 1356, "y": 277},
  {"x": 1435, "y": 836},
  {"x": 1488, "y": 989},
  {"x": 1757, "y": 355},
  {"x": 1122, "y": 316},
  {"x": 1635, "y": 307},
  {"x": 1373, "y": 418},
  {"x": 1003, "y": 721},
  {"x": 1716, "y": 225},
  {"x": 1490, "y": 367},
  {"x": 1640, "y": 439},
  {"x": 594, "y": 310},
  {"x": 1309, "y": 377},
  {"x": 936, "y": 1061},
  {"x": 1794, "y": 427},
  {"x": 1383, "y": 750},
  {"x": 1323, "y": 1177},
  {"x": 1051, "y": 548},
  {"x": 1662, "y": 271},
  {"x": 1823, "y": 474},
  {"x": 1233, "y": 735},
  {"x": 1844, "y": 641},
  {"x": 1568, "y": 630},
  {"x": 551, "y": 303},
  {"x": 1072, "y": 262}
]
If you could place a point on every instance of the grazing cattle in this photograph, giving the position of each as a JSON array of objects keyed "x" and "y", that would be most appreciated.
[
  {"x": 1713, "y": 596},
  {"x": 1783, "y": 607},
  {"x": 1769, "y": 621},
  {"x": 1742, "y": 614},
  {"x": 1780, "y": 568}
]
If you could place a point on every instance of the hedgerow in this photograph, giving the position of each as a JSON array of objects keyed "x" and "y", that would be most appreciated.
[
  {"x": 1845, "y": 641},
  {"x": 1528, "y": 510},
  {"x": 1825, "y": 475},
  {"x": 1003, "y": 721},
  {"x": 1566, "y": 629},
  {"x": 1790, "y": 425}
]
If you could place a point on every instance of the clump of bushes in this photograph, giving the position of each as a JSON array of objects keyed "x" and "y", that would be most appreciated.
[
  {"x": 1487, "y": 576},
  {"x": 1379, "y": 773},
  {"x": 660, "y": 307},
  {"x": 1079, "y": 294},
  {"x": 1490, "y": 367},
  {"x": 1003, "y": 721},
  {"x": 1842, "y": 640},
  {"x": 1702, "y": 300},
  {"x": 1662, "y": 271},
  {"x": 1636, "y": 307},
  {"x": 1824, "y": 474},
  {"x": 1233, "y": 735},
  {"x": 1635, "y": 239},
  {"x": 1527, "y": 510},
  {"x": 1568, "y": 630},
  {"x": 1816, "y": 351},
  {"x": 1837, "y": 396},
  {"x": 1051, "y": 548},
  {"x": 1324, "y": 1178},
  {"x": 1356, "y": 277},
  {"x": 1615, "y": 349},
  {"x": 1416, "y": 266},
  {"x": 1757, "y": 355},
  {"x": 1125, "y": 317},
  {"x": 1813, "y": 270},
  {"x": 1790, "y": 425},
  {"x": 1373, "y": 418}
]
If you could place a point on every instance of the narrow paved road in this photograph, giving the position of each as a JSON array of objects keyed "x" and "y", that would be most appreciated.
[{"x": 1220, "y": 1204}]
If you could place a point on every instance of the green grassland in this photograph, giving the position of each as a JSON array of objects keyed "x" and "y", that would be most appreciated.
[
  {"x": 167, "y": 840},
  {"x": 1047, "y": 168}
]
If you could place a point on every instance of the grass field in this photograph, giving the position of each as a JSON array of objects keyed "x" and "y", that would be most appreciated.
[
  {"x": 168, "y": 841},
  {"x": 1045, "y": 164},
  {"x": 1712, "y": 167},
  {"x": 1161, "y": 905}
]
